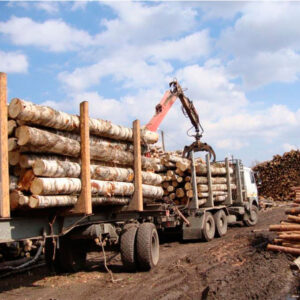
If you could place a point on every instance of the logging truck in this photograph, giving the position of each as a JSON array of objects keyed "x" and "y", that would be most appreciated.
[{"x": 72, "y": 196}]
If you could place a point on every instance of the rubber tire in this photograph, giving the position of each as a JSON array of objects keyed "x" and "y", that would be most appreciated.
[
  {"x": 72, "y": 255},
  {"x": 220, "y": 222},
  {"x": 209, "y": 228},
  {"x": 147, "y": 245},
  {"x": 127, "y": 248},
  {"x": 253, "y": 217}
]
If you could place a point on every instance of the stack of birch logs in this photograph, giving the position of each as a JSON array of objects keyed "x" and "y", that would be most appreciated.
[
  {"x": 177, "y": 180},
  {"x": 44, "y": 157},
  {"x": 279, "y": 175},
  {"x": 288, "y": 231}
]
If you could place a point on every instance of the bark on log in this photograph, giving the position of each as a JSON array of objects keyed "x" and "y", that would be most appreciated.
[
  {"x": 48, "y": 117},
  {"x": 294, "y": 251},
  {"x": 215, "y": 187},
  {"x": 53, "y": 143},
  {"x": 284, "y": 227},
  {"x": 294, "y": 219},
  {"x": 290, "y": 237},
  {"x": 55, "y": 186},
  {"x": 37, "y": 201},
  {"x": 58, "y": 168}
]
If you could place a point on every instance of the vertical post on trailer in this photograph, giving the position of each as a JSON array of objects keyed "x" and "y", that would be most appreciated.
[
  {"x": 239, "y": 182},
  {"x": 4, "y": 172},
  {"x": 210, "y": 202},
  {"x": 194, "y": 204},
  {"x": 228, "y": 180},
  {"x": 84, "y": 203},
  {"x": 136, "y": 202}
]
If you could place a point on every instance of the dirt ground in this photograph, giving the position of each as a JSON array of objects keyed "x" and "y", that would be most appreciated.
[{"x": 236, "y": 266}]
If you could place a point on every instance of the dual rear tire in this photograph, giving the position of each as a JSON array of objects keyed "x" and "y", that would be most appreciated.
[
  {"x": 139, "y": 247},
  {"x": 214, "y": 225}
]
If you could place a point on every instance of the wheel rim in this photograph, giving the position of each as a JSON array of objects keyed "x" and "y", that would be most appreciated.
[{"x": 154, "y": 248}]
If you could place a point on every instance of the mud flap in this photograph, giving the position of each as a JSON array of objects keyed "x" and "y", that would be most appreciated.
[{"x": 193, "y": 231}]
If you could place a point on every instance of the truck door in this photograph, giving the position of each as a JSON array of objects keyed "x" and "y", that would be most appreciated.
[{"x": 250, "y": 184}]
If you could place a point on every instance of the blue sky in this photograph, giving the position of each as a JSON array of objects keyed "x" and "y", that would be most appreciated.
[{"x": 239, "y": 61}]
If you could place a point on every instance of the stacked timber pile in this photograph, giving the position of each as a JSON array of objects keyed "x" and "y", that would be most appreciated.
[
  {"x": 288, "y": 232},
  {"x": 279, "y": 175},
  {"x": 177, "y": 179},
  {"x": 44, "y": 157}
]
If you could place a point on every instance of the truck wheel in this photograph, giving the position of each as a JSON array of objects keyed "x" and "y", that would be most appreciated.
[
  {"x": 221, "y": 223},
  {"x": 209, "y": 227},
  {"x": 127, "y": 248},
  {"x": 252, "y": 217},
  {"x": 72, "y": 256},
  {"x": 147, "y": 245}
]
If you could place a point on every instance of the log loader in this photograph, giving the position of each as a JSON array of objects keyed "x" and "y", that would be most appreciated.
[{"x": 188, "y": 110}]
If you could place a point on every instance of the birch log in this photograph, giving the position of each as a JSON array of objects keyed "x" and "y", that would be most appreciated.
[
  {"x": 58, "y": 168},
  {"x": 12, "y": 144},
  {"x": 37, "y": 201},
  {"x": 55, "y": 186},
  {"x": 53, "y": 143},
  {"x": 13, "y": 157},
  {"x": 11, "y": 125},
  {"x": 48, "y": 117},
  {"x": 17, "y": 199},
  {"x": 215, "y": 187}
]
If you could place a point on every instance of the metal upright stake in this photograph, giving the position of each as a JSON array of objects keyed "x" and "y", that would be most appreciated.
[
  {"x": 194, "y": 204},
  {"x": 239, "y": 183},
  {"x": 228, "y": 180},
  {"x": 210, "y": 201}
]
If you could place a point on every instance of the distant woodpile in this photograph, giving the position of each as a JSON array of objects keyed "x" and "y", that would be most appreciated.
[{"x": 278, "y": 176}]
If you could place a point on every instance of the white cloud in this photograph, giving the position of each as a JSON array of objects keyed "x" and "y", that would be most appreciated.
[
  {"x": 77, "y": 5},
  {"x": 13, "y": 62},
  {"x": 51, "y": 35},
  {"x": 288, "y": 147},
  {"x": 267, "y": 67},
  {"x": 264, "y": 42},
  {"x": 49, "y": 7}
]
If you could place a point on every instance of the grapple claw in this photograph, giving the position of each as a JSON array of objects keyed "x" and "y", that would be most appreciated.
[{"x": 197, "y": 147}]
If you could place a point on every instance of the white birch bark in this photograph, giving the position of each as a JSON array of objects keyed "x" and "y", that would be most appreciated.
[
  {"x": 53, "y": 143},
  {"x": 56, "y": 186},
  {"x": 36, "y": 201},
  {"x": 48, "y": 117},
  {"x": 59, "y": 168}
]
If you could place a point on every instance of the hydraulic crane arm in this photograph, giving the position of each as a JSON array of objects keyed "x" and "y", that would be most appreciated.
[{"x": 188, "y": 109}]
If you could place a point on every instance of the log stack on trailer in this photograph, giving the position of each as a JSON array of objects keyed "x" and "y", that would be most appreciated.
[
  {"x": 45, "y": 159},
  {"x": 177, "y": 182},
  {"x": 288, "y": 232},
  {"x": 279, "y": 175}
]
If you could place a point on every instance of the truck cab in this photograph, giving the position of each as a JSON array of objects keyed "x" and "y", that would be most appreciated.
[{"x": 251, "y": 192}]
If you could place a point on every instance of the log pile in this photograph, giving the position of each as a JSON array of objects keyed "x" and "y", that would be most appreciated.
[
  {"x": 177, "y": 180},
  {"x": 278, "y": 176},
  {"x": 288, "y": 232},
  {"x": 44, "y": 158}
]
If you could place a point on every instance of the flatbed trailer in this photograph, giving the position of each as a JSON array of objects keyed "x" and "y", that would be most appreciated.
[{"x": 68, "y": 234}]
